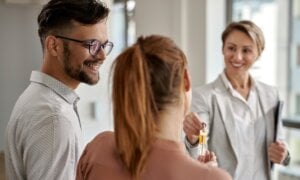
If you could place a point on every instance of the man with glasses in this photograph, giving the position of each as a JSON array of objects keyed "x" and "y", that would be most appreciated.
[{"x": 43, "y": 135}]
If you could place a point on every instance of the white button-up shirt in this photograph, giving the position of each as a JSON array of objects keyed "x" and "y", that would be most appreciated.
[
  {"x": 43, "y": 135},
  {"x": 251, "y": 134}
]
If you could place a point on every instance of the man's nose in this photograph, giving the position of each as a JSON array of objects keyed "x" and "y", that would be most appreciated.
[{"x": 101, "y": 54}]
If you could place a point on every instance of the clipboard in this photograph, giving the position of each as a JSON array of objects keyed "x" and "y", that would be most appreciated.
[{"x": 278, "y": 118}]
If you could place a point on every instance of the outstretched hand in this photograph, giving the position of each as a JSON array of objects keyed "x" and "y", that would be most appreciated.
[{"x": 192, "y": 126}]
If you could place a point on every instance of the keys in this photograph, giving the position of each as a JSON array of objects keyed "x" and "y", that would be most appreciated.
[{"x": 203, "y": 139}]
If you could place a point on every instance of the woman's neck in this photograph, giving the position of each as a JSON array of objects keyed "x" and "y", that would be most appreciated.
[
  {"x": 239, "y": 81},
  {"x": 170, "y": 124},
  {"x": 241, "y": 84}
]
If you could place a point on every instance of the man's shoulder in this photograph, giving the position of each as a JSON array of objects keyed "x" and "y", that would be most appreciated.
[{"x": 36, "y": 110}]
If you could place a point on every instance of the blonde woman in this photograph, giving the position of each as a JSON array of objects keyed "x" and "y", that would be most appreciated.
[{"x": 239, "y": 110}]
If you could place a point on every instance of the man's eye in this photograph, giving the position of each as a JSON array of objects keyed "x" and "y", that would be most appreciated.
[{"x": 87, "y": 44}]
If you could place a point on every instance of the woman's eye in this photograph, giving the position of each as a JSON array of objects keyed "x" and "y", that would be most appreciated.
[
  {"x": 230, "y": 48},
  {"x": 247, "y": 50}
]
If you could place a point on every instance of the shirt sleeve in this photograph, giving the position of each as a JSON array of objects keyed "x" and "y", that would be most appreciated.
[
  {"x": 50, "y": 151},
  {"x": 193, "y": 150},
  {"x": 201, "y": 108}
]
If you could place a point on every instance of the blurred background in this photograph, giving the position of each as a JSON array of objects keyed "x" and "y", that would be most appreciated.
[{"x": 195, "y": 25}]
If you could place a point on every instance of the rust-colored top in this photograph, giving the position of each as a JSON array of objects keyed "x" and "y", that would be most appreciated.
[{"x": 167, "y": 161}]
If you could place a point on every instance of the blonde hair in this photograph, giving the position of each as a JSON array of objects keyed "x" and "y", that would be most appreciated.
[{"x": 249, "y": 28}]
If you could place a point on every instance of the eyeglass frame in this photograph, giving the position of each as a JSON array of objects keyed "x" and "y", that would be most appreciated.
[{"x": 89, "y": 43}]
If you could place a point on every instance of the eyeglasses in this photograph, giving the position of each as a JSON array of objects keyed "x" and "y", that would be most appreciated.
[{"x": 93, "y": 45}]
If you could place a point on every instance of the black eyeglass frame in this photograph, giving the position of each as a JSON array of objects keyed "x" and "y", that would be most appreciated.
[{"x": 90, "y": 43}]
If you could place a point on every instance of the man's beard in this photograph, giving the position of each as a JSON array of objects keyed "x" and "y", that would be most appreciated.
[{"x": 76, "y": 72}]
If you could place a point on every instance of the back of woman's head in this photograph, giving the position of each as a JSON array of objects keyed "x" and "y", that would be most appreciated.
[
  {"x": 148, "y": 76},
  {"x": 250, "y": 29}
]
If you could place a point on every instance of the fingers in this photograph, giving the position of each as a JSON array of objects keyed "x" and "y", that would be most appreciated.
[
  {"x": 201, "y": 159},
  {"x": 212, "y": 163},
  {"x": 277, "y": 152},
  {"x": 204, "y": 158},
  {"x": 191, "y": 127},
  {"x": 209, "y": 158},
  {"x": 213, "y": 157},
  {"x": 192, "y": 124}
]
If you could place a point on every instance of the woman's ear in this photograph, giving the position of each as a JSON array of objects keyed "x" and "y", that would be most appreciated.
[
  {"x": 187, "y": 81},
  {"x": 187, "y": 89}
]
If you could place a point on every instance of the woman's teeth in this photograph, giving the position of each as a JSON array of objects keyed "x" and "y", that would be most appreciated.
[{"x": 237, "y": 65}]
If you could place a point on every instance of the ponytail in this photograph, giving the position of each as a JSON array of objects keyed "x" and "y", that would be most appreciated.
[
  {"x": 148, "y": 77},
  {"x": 133, "y": 105}
]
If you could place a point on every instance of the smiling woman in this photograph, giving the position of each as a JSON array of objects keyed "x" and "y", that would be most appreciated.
[
  {"x": 239, "y": 110},
  {"x": 243, "y": 43}
]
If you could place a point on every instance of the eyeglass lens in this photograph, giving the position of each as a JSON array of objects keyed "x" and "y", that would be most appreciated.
[{"x": 96, "y": 46}]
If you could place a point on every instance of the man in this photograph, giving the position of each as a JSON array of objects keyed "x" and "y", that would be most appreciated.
[{"x": 43, "y": 135}]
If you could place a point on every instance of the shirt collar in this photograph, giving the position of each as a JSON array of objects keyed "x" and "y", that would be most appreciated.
[
  {"x": 61, "y": 89},
  {"x": 226, "y": 82},
  {"x": 228, "y": 85}
]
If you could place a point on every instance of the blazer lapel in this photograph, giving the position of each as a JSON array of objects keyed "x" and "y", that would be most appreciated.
[
  {"x": 265, "y": 101},
  {"x": 223, "y": 103}
]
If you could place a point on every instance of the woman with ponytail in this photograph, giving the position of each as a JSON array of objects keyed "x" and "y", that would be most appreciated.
[{"x": 151, "y": 96}]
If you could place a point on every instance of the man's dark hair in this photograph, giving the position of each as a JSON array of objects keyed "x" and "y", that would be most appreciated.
[{"x": 58, "y": 15}]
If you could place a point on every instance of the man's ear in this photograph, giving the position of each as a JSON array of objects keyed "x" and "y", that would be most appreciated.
[
  {"x": 52, "y": 45},
  {"x": 187, "y": 80}
]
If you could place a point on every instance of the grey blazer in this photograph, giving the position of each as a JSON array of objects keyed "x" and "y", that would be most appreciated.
[{"x": 211, "y": 103}]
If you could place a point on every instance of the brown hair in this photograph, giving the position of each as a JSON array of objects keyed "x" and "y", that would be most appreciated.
[
  {"x": 249, "y": 28},
  {"x": 147, "y": 77},
  {"x": 59, "y": 15}
]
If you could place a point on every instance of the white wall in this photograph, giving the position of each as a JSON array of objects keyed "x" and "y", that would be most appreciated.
[
  {"x": 181, "y": 20},
  {"x": 196, "y": 27},
  {"x": 215, "y": 24},
  {"x": 20, "y": 52},
  {"x": 281, "y": 74}
]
